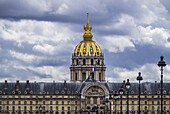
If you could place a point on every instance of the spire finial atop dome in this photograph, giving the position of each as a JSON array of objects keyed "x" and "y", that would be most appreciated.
[{"x": 87, "y": 30}]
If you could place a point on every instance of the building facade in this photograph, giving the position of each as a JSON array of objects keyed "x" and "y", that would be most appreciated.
[{"x": 86, "y": 93}]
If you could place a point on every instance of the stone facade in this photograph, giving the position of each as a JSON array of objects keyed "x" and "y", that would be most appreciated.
[{"x": 85, "y": 97}]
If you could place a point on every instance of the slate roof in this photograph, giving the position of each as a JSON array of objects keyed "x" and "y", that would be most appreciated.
[{"x": 76, "y": 88}]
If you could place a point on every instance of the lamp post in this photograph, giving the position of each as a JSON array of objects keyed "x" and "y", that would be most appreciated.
[
  {"x": 139, "y": 78},
  {"x": 161, "y": 64},
  {"x": 104, "y": 106},
  {"x": 127, "y": 87},
  {"x": 110, "y": 100},
  {"x": 115, "y": 97},
  {"x": 40, "y": 109},
  {"x": 121, "y": 91},
  {"x": 107, "y": 102}
]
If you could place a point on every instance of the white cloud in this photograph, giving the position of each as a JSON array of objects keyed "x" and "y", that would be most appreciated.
[
  {"x": 46, "y": 48},
  {"x": 150, "y": 73},
  {"x": 149, "y": 35},
  {"x": 117, "y": 43},
  {"x": 24, "y": 56},
  {"x": 35, "y": 32},
  {"x": 59, "y": 73}
]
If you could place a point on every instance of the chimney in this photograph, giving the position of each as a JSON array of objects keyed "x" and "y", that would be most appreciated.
[
  {"x": 6, "y": 84},
  {"x": 27, "y": 85},
  {"x": 124, "y": 87},
  {"x": 65, "y": 84},
  {"x": 17, "y": 85}
]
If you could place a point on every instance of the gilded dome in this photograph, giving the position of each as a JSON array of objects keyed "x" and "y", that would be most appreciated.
[{"x": 87, "y": 47}]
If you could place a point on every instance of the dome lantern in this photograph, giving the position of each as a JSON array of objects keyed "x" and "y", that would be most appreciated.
[{"x": 87, "y": 30}]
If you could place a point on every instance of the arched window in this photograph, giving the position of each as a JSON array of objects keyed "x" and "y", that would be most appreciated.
[
  {"x": 91, "y": 61},
  {"x": 83, "y": 76},
  {"x": 84, "y": 61}
]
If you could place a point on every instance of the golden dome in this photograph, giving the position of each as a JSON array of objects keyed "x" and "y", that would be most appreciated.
[{"x": 87, "y": 47}]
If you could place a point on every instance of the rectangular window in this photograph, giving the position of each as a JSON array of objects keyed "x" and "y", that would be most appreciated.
[
  {"x": 100, "y": 78},
  {"x": 56, "y": 108},
  {"x": 83, "y": 76},
  {"x": 164, "y": 102},
  {"x": 30, "y": 102},
  {"x": 36, "y": 102},
  {"x": 7, "y": 108},
  {"x": 62, "y": 102},
  {"x": 56, "y": 102},
  {"x": 43, "y": 102},
  {"x": 30, "y": 108},
  {"x": 133, "y": 102},
  {"x": 63, "y": 108},
  {"x": 101, "y": 100},
  {"x": 88, "y": 100},
  {"x": 68, "y": 102},
  {"x": 51, "y": 102},
  {"x": 19, "y": 102},
  {"x": 51, "y": 108},
  {"x": 152, "y": 102},
  {"x": 95, "y": 100},
  {"x": 7, "y": 102},
  {"x": 133, "y": 108},
  {"x": 19, "y": 108},
  {"x": 68, "y": 108}
]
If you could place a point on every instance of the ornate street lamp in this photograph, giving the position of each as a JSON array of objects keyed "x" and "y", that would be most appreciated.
[
  {"x": 161, "y": 64},
  {"x": 139, "y": 78},
  {"x": 127, "y": 87},
  {"x": 107, "y": 102},
  {"x": 115, "y": 97},
  {"x": 110, "y": 100},
  {"x": 121, "y": 92}
]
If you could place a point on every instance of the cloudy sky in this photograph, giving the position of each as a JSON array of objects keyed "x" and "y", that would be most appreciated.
[{"x": 38, "y": 37}]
